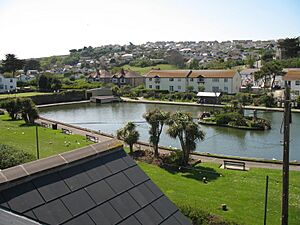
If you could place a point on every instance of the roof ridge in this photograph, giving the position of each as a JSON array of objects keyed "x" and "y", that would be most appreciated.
[{"x": 52, "y": 162}]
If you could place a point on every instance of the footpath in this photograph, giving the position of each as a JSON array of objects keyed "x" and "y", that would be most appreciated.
[
  {"x": 142, "y": 100},
  {"x": 141, "y": 145}
]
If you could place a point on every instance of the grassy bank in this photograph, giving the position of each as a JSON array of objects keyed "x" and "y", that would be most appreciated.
[
  {"x": 143, "y": 70},
  {"x": 243, "y": 192},
  {"x": 21, "y": 136},
  {"x": 26, "y": 94}
]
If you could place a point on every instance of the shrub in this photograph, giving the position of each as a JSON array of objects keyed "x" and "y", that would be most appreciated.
[
  {"x": 200, "y": 217},
  {"x": 225, "y": 118},
  {"x": 11, "y": 157},
  {"x": 268, "y": 100}
]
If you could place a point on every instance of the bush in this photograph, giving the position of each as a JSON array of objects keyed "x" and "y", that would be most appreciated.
[
  {"x": 268, "y": 100},
  {"x": 225, "y": 118},
  {"x": 200, "y": 217},
  {"x": 11, "y": 157}
]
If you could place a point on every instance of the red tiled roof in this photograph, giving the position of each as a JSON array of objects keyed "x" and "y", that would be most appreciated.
[{"x": 292, "y": 75}]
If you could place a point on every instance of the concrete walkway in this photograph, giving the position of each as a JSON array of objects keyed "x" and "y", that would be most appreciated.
[
  {"x": 141, "y": 100},
  {"x": 141, "y": 145}
]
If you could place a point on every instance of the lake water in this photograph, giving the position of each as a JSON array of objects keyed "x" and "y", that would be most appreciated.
[{"x": 218, "y": 140}]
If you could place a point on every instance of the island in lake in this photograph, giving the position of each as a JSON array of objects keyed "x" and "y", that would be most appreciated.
[{"x": 234, "y": 117}]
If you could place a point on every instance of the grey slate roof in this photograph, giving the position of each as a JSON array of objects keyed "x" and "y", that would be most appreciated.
[{"x": 105, "y": 188}]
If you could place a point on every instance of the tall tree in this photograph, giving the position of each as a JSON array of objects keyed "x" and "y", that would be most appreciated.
[
  {"x": 11, "y": 64},
  {"x": 156, "y": 118},
  {"x": 290, "y": 47},
  {"x": 32, "y": 64},
  {"x": 182, "y": 126},
  {"x": 129, "y": 135},
  {"x": 272, "y": 69}
]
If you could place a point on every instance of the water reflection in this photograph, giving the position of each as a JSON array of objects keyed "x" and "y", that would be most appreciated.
[{"x": 219, "y": 140}]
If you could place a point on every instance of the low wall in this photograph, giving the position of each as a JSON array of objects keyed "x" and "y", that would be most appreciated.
[{"x": 66, "y": 96}]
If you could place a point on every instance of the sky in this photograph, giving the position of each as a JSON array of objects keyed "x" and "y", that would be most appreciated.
[{"x": 38, "y": 28}]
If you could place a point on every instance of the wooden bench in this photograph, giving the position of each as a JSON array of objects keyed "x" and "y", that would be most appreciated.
[
  {"x": 66, "y": 131},
  {"x": 91, "y": 138},
  {"x": 234, "y": 165}
]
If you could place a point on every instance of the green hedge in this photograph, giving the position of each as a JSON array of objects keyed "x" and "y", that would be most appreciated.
[{"x": 11, "y": 157}]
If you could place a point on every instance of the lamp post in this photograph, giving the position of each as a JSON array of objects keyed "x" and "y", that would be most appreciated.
[{"x": 37, "y": 142}]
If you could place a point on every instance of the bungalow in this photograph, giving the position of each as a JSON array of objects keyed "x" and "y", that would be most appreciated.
[
  {"x": 7, "y": 84},
  {"x": 228, "y": 81},
  {"x": 293, "y": 78},
  {"x": 100, "y": 76}
]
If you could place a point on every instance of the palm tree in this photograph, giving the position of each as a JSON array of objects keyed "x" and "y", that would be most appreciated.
[
  {"x": 182, "y": 126},
  {"x": 129, "y": 135},
  {"x": 156, "y": 119}
]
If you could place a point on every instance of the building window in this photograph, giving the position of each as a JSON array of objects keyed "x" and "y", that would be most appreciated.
[
  {"x": 150, "y": 79},
  {"x": 157, "y": 87},
  {"x": 215, "y": 80},
  {"x": 179, "y": 79},
  {"x": 171, "y": 79},
  {"x": 150, "y": 86},
  {"x": 297, "y": 92},
  {"x": 171, "y": 88},
  {"x": 226, "y": 89},
  {"x": 215, "y": 89},
  {"x": 11, "y": 80},
  {"x": 179, "y": 87},
  {"x": 11, "y": 87},
  {"x": 297, "y": 82},
  {"x": 225, "y": 79},
  {"x": 191, "y": 79},
  {"x": 1, "y": 86}
]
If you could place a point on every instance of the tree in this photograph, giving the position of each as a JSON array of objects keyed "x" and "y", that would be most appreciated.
[
  {"x": 194, "y": 64},
  {"x": 190, "y": 88},
  {"x": 175, "y": 58},
  {"x": 129, "y": 135},
  {"x": 31, "y": 64},
  {"x": 156, "y": 118},
  {"x": 11, "y": 64},
  {"x": 21, "y": 108},
  {"x": 182, "y": 126},
  {"x": 272, "y": 69},
  {"x": 13, "y": 107},
  {"x": 290, "y": 47},
  {"x": 267, "y": 56},
  {"x": 28, "y": 111},
  {"x": 201, "y": 87}
]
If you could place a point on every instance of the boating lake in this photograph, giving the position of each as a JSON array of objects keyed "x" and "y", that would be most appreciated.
[{"x": 218, "y": 140}]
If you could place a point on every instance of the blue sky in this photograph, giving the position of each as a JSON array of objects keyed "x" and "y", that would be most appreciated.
[{"x": 34, "y": 28}]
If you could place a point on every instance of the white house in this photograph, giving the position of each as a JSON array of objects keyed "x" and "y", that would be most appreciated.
[
  {"x": 7, "y": 84},
  {"x": 25, "y": 78},
  {"x": 293, "y": 77},
  {"x": 228, "y": 81}
]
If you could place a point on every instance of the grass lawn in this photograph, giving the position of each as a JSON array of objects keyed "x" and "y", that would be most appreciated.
[
  {"x": 26, "y": 94},
  {"x": 243, "y": 192},
  {"x": 143, "y": 70},
  {"x": 20, "y": 136}
]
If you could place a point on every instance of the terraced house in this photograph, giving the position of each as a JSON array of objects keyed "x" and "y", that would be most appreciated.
[{"x": 228, "y": 81}]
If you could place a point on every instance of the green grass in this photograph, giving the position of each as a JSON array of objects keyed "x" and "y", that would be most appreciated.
[
  {"x": 20, "y": 136},
  {"x": 243, "y": 192},
  {"x": 144, "y": 70},
  {"x": 26, "y": 94}
]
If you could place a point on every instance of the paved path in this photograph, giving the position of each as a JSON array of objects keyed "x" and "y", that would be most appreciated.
[
  {"x": 141, "y": 145},
  {"x": 142, "y": 100}
]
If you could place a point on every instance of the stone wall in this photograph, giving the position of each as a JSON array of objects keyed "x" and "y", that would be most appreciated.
[{"x": 66, "y": 96}]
